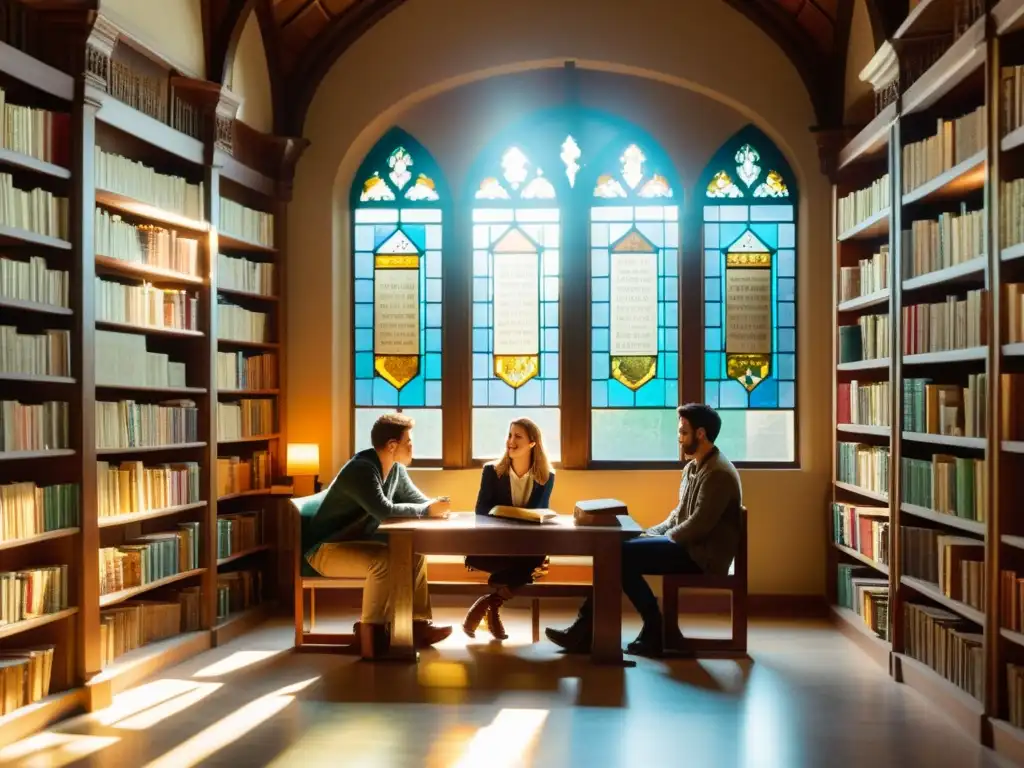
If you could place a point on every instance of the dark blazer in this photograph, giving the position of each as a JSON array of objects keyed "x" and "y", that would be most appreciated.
[{"x": 497, "y": 491}]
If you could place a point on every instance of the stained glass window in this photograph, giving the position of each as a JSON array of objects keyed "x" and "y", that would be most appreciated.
[
  {"x": 397, "y": 289},
  {"x": 516, "y": 240},
  {"x": 750, "y": 298},
  {"x": 634, "y": 292}
]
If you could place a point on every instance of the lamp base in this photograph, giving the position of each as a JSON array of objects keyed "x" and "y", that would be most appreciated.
[{"x": 305, "y": 485}]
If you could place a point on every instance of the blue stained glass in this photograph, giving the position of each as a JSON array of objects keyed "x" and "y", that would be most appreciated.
[
  {"x": 787, "y": 394},
  {"x": 551, "y": 392},
  {"x": 363, "y": 238},
  {"x": 549, "y": 362},
  {"x": 671, "y": 314},
  {"x": 765, "y": 394},
  {"x": 364, "y": 291},
  {"x": 672, "y": 392},
  {"x": 599, "y": 340},
  {"x": 653, "y": 231},
  {"x": 433, "y": 394},
  {"x": 600, "y": 367},
  {"x": 600, "y": 289},
  {"x": 768, "y": 233},
  {"x": 771, "y": 213},
  {"x": 732, "y": 213},
  {"x": 713, "y": 338},
  {"x": 481, "y": 366},
  {"x": 480, "y": 390},
  {"x": 433, "y": 340},
  {"x": 787, "y": 367},
  {"x": 550, "y": 340},
  {"x": 434, "y": 315},
  {"x": 481, "y": 315},
  {"x": 412, "y": 394},
  {"x": 364, "y": 316},
  {"x": 619, "y": 395},
  {"x": 732, "y": 395},
  {"x": 731, "y": 233},
  {"x": 364, "y": 365},
  {"x": 600, "y": 315},
  {"x": 599, "y": 263},
  {"x": 364, "y": 265},
  {"x": 384, "y": 393},
  {"x": 786, "y": 263},
  {"x": 550, "y": 314},
  {"x": 712, "y": 263},
  {"x": 550, "y": 289},
  {"x": 672, "y": 340},
  {"x": 787, "y": 314},
  {"x": 418, "y": 234},
  {"x": 711, "y": 236},
  {"x": 711, "y": 393},
  {"x": 787, "y": 340},
  {"x": 364, "y": 340},
  {"x": 713, "y": 313},
  {"x": 599, "y": 394},
  {"x": 381, "y": 232},
  {"x": 787, "y": 236},
  {"x": 711, "y": 213},
  {"x": 671, "y": 262},
  {"x": 480, "y": 263},
  {"x": 672, "y": 363},
  {"x": 787, "y": 290},
  {"x": 433, "y": 365},
  {"x": 364, "y": 391},
  {"x": 434, "y": 290},
  {"x": 652, "y": 394},
  {"x": 531, "y": 393},
  {"x": 713, "y": 288},
  {"x": 501, "y": 393},
  {"x": 481, "y": 339},
  {"x": 671, "y": 288},
  {"x": 713, "y": 365}
]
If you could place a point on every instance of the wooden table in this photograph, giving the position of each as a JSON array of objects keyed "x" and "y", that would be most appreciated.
[{"x": 471, "y": 534}]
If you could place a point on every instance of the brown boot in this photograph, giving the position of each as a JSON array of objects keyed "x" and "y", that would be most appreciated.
[
  {"x": 373, "y": 639},
  {"x": 426, "y": 634},
  {"x": 475, "y": 615},
  {"x": 494, "y": 625}
]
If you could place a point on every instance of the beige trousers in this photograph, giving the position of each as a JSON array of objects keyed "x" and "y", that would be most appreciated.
[{"x": 355, "y": 559}]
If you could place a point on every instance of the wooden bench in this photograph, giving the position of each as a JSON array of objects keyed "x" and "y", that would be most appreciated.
[
  {"x": 304, "y": 579},
  {"x": 735, "y": 583}
]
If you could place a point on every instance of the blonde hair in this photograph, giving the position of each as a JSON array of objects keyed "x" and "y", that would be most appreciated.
[{"x": 540, "y": 466}]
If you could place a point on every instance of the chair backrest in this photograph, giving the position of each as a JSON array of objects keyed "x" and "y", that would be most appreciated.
[
  {"x": 740, "y": 563},
  {"x": 303, "y": 511}
]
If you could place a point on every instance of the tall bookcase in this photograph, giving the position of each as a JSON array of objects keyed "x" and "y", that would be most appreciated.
[
  {"x": 926, "y": 549},
  {"x": 142, "y": 288}
]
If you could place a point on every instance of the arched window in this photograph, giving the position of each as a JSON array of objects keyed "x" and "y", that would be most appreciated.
[
  {"x": 634, "y": 311},
  {"x": 397, "y": 201},
  {"x": 750, "y": 298},
  {"x": 516, "y": 270}
]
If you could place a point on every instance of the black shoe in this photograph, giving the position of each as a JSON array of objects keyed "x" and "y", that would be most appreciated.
[
  {"x": 649, "y": 642},
  {"x": 572, "y": 640}
]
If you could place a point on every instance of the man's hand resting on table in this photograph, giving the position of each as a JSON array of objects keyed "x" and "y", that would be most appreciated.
[{"x": 440, "y": 507}]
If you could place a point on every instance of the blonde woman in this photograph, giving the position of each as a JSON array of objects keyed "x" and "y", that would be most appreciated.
[{"x": 522, "y": 477}]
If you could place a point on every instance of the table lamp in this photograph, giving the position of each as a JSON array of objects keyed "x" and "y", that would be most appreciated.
[{"x": 303, "y": 466}]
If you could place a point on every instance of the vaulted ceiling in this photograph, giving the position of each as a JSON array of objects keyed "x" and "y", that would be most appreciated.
[{"x": 305, "y": 37}]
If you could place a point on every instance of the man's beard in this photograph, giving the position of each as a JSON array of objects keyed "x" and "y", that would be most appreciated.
[{"x": 689, "y": 447}]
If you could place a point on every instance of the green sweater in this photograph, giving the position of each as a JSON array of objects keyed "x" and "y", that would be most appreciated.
[{"x": 359, "y": 499}]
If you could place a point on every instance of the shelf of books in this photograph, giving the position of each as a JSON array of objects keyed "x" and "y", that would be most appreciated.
[
  {"x": 141, "y": 286},
  {"x": 927, "y": 541}
]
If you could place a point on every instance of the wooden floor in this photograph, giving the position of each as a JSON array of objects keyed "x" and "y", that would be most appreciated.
[{"x": 808, "y": 698}]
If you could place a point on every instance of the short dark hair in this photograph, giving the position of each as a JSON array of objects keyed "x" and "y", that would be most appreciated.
[
  {"x": 702, "y": 416},
  {"x": 388, "y": 427}
]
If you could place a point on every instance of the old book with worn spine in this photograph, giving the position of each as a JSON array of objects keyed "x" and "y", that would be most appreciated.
[{"x": 599, "y": 512}]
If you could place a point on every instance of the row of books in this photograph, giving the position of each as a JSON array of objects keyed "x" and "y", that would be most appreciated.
[
  {"x": 27, "y": 509},
  {"x": 24, "y": 676},
  {"x": 864, "y": 203},
  {"x": 954, "y": 238},
  {"x": 124, "y": 359},
  {"x": 34, "y": 426},
  {"x": 1015, "y": 694},
  {"x": 35, "y": 132},
  {"x": 127, "y": 424},
  {"x": 866, "y": 593},
  {"x": 947, "y": 325},
  {"x": 238, "y": 532},
  {"x": 1011, "y": 600},
  {"x": 33, "y": 280},
  {"x": 36, "y": 210},
  {"x": 1013, "y": 318},
  {"x": 946, "y": 409},
  {"x": 864, "y": 529},
  {"x": 135, "y": 623},
  {"x": 246, "y": 223},
  {"x": 955, "y": 564},
  {"x": 149, "y": 558},
  {"x": 31, "y": 593},
  {"x": 145, "y": 244},
  {"x": 239, "y": 324},
  {"x": 238, "y": 475},
  {"x": 246, "y": 370},
  {"x": 238, "y": 591},
  {"x": 130, "y": 486},
  {"x": 47, "y": 353},
  {"x": 241, "y": 274},
  {"x": 1011, "y": 222},
  {"x": 869, "y": 276},
  {"x": 866, "y": 466},
  {"x": 946, "y": 642},
  {"x": 1011, "y": 388},
  {"x": 864, "y": 403},
  {"x": 868, "y": 339},
  {"x": 245, "y": 418},
  {"x": 146, "y": 305},
  {"x": 1012, "y": 80},
  {"x": 952, "y": 485},
  {"x": 954, "y": 141},
  {"x": 134, "y": 179}
]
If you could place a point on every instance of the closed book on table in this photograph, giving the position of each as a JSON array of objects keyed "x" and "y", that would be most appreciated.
[
  {"x": 523, "y": 514},
  {"x": 599, "y": 512}
]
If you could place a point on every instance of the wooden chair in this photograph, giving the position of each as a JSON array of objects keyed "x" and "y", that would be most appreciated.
[{"x": 735, "y": 583}]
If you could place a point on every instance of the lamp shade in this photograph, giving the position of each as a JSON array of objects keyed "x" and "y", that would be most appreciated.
[{"x": 303, "y": 459}]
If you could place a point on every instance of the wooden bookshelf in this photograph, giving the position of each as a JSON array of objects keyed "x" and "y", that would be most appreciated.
[
  {"x": 929, "y": 83},
  {"x": 135, "y": 229}
]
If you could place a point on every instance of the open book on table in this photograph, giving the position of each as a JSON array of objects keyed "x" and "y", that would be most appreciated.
[{"x": 521, "y": 513}]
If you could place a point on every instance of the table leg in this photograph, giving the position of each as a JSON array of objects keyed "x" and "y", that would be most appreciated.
[
  {"x": 607, "y": 648},
  {"x": 400, "y": 570}
]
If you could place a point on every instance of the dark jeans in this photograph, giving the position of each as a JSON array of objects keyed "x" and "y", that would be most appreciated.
[
  {"x": 647, "y": 556},
  {"x": 512, "y": 571}
]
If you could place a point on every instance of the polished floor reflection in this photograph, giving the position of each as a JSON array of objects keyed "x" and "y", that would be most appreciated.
[{"x": 808, "y": 697}]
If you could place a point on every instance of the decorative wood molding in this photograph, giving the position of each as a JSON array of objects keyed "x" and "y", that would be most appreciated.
[
  {"x": 883, "y": 74},
  {"x": 211, "y": 107},
  {"x": 830, "y": 142},
  {"x": 273, "y": 156},
  {"x": 99, "y": 52}
]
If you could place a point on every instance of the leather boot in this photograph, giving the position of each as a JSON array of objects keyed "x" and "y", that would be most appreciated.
[
  {"x": 494, "y": 625},
  {"x": 373, "y": 639},
  {"x": 475, "y": 615},
  {"x": 426, "y": 633}
]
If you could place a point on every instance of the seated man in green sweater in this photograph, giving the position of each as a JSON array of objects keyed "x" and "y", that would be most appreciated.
[{"x": 342, "y": 539}]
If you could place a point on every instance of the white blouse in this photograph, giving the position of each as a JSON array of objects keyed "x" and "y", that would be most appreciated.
[{"x": 522, "y": 487}]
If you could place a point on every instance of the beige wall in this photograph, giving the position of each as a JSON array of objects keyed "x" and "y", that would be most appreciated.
[
  {"x": 171, "y": 28},
  {"x": 859, "y": 53},
  {"x": 671, "y": 74},
  {"x": 250, "y": 78}
]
